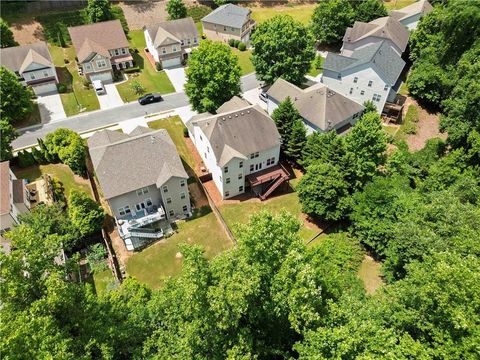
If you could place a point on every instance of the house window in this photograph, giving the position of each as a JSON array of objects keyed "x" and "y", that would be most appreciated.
[
  {"x": 195, "y": 40},
  {"x": 182, "y": 42},
  {"x": 362, "y": 92},
  {"x": 256, "y": 154},
  {"x": 370, "y": 83},
  {"x": 124, "y": 51},
  {"x": 224, "y": 28},
  {"x": 208, "y": 149},
  {"x": 182, "y": 182},
  {"x": 240, "y": 188},
  {"x": 117, "y": 52},
  {"x": 185, "y": 208},
  {"x": 88, "y": 67},
  {"x": 240, "y": 176},
  {"x": 225, "y": 169},
  {"x": 227, "y": 193},
  {"x": 251, "y": 167},
  {"x": 355, "y": 79},
  {"x": 376, "y": 97},
  {"x": 45, "y": 73},
  {"x": 189, "y": 41},
  {"x": 240, "y": 164},
  {"x": 124, "y": 210},
  {"x": 182, "y": 195},
  {"x": 169, "y": 200},
  {"x": 101, "y": 63},
  {"x": 201, "y": 137},
  {"x": 171, "y": 213},
  {"x": 385, "y": 87},
  {"x": 148, "y": 202},
  {"x": 205, "y": 155},
  {"x": 140, "y": 206},
  {"x": 32, "y": 76},
  {"x": 174, "y": 48},
  {"x": 351, "y": 91},
  {"x": 164, "y": 50},
  {"x": 220, "y": 177},
  {"x": 165, "y": 188},
  {"x": 270, "y": 161},
  {"x": 142, "y": 191},
  {"x": 227, "y": 180}
]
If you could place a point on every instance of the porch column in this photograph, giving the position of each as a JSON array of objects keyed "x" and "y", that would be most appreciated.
[{"x": 131, "y": 63}]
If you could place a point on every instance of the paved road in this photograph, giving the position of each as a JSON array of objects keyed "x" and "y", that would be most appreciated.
[{"x": 99, "y": 118}]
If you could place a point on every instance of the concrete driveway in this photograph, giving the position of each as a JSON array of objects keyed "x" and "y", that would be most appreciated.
[
  {"x": 177, "y": 78},
  {"x": 111, "y": 99},
  {"x": 51, "y": 108},
  {"x": 252, "y": 96}
]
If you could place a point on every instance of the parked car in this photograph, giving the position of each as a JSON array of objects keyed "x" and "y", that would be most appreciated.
[
  {"x": 263, "y": 96},
  {"x": 98, "y": 86},
  {"x": 150, "y": 98}
]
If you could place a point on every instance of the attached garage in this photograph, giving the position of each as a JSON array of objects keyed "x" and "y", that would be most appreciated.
[
  {"x": 168, "y": 63},
  {"x": 104, "y": 76},
  {"x": 42, "y": 89}
]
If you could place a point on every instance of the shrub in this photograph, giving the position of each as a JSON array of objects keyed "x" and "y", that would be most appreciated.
[
  {"x": 25, "y": 159},
  {"x": 86, "y": 83},
  {"x": 231, "y": 42},
  {"x": 158, "y": 66},
  {"x": 86, "y": 215},
  {"x": 185, "y": 132},
  {"x": 62, "y": 88},
  {"x": 96, "y": 257},
  {"x": 242, "y": 46},
  {"x": 68, "y": 147},
  {"x": 38, "y": 156},
  {"x": 198, "y": 12},
  {"x": 133, "y": 69},
  {"x": 236, "y": 42},
  {"x": 137, "y": 87}
]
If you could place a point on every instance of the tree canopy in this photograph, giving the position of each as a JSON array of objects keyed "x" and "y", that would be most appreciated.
[
  {"x": 68, "y": 147},
  {"x": 7, "y": 135},
  {"x": 283, "y": 47},
  {"x": 98, "y": 10},
  {"x": 330, "y": 19},
  {"x": 213, "y": 76},
  {"x": 6, "y": 35},
  {"x": 16, "y": 99},
  {"x": 176, "y": 9}
]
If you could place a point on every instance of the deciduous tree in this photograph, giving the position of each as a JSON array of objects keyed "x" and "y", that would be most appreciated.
[
  {"x": 86, "y": 215},
  {"x": 7, "y": 135},
  {"x": 368, "y": 10},
  {"x": 16, "y": 99},
  {"x": 330, "y": 19},
  {"x": 6, "y": 35},
  {"x": 176, "y": 9},
  {"x": 99, "y": 10}
]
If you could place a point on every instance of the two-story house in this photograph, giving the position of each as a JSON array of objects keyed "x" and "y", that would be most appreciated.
[
  {"x": 385, "y": 29},
  {"x": 170, "y": 42},
  {"x": 369, "y": 73},
  {"x": 240, "y": 146},
  {"x": 33, "y": 65},
  {"x": 143, "y": 180},
  {"x": 229, "y": 22},
  {"x": 14, "y": 197},
  {"x": 410, "y": 15},
  {"x": 321, "y": 108},
  {"x": 99, "y": 48}
]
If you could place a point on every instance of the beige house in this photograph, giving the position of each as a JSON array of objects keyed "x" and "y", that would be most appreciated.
[
  {"x": 170, "y": 42},
  {"x": 101, "y": 47},
  {"x": 33, "y": 65},
  {"x": 229, "y": 22},
  {"x": 143, "y": 180}
]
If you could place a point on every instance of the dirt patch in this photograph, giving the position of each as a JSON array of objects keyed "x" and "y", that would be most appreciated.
[
  {"x": 427, "y": 127},
  {"x": 370, "y": 274},
  {"x": 27, "y": 31},
  {"x": 118, "y": 245}
]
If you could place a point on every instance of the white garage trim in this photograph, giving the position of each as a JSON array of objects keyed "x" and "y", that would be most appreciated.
[
  {"x": 105, "y": 76},
  {"x": 41, "y": 89},
  {"x": 171, "y": 62}
]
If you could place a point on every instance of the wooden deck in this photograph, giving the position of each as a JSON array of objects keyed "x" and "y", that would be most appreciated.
[{"x": 261, "y": 177}]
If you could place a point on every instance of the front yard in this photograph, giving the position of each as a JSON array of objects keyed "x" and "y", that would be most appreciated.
[
  {"x": 301, "y": 13},
  {"x": 162, "y": 260},
  {"x": 148, "y": 77}
]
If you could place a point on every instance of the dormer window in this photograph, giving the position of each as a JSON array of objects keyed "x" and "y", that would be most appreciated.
[
  {"x": 339, "y": 76},
  {"x": 355, "y": 79},
  {"x": 370, "y": 83}
]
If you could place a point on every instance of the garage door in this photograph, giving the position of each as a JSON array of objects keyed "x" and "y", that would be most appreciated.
[
  {"x": 44, "y": 88},
  {"x": 171, "y": 63},
  {"x": 106, "y": 76}
]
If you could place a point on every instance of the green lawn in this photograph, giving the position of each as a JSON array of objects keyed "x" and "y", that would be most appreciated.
[
  {"x": 199, "y": 28},
  {"x": 102, "y": 280},
  {"x": 240, "y": 212},
  {"x": 244, "y": 60},
  {"x": 397, "y": 4},
  {"x": 159, "y": 261},
  {"x": 403, "y": 89},
  {"x": 174, "y": 126},
  {"x": 302, "y": 13},
  {"x": 370, "y": 274},
  {"x": 62, "y": 172},
  {"x": 77, "y": 96},
  {"x": 148, "y": 77}
]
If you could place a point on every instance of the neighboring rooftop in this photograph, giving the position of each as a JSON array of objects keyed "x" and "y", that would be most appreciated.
[
  {"x": 239, "y": 132},
  {"x": 4, "y": 187},
  {"x": 173, "y": 31},
  {"x": 420, "y": 7},
  {"x": 127, "y": 162},
  {"x": 18, "y": 58},
  {"x": 385, "y": 27},
  {"x": 317, "y": 104},
  {"x": 379, "y": 55},
  {"x": 97, "y": 38},
  {"x": 228, "y": 15}
]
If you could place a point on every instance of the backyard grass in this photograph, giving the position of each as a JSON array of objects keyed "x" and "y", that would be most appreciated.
[
  {"x": 240, "y": 212},
  {"x": 77, "y": 98},
  {"x": 174, "y": 126},
  {"x": 369, "y": 272},
  {"x": 244, "y": 61},
  {"x": 102, "y": 280},
  {"x": 403, "y": 89},
  {"x": 317, "y": 66},
  {"x": 155, "y": 264},
  {"x": 61, "y": 172},
  {"x": 397, "y": 4},
  {"x": 302, "y": 13},
  {"x": 199, "y": 28},
  {"x": 148, "y": 77}
]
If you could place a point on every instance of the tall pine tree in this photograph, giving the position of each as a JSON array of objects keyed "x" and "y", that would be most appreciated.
[{"x": 285, "y": 117}]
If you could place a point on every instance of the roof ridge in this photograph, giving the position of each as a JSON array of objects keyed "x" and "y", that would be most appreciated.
[{"x": 93, "y": 24}]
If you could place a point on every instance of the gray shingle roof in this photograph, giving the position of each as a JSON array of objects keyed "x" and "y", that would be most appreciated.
[
  {"x": 239, "y": 132},
  {"x": 380, "y": 56},
  {"x": 172, "y": 31},
  {"x": 18, "y": 58},
  {"x": 317, "y": 104},
  {"x": 125, "y": 163},
  {"x": 228, "y": 15},
  {"x": 420, "y": 7},
  {"x": 385, "y": 27}
]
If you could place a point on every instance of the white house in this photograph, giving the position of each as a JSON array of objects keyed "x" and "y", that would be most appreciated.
[
  {"x": 170, "y": 42},
  {"x": 240, "y": 146},
  {"x": 385, "y": 29},
  {"x": 33, "y": 65},
  {"x": 321, "y": 108},
  {"x": 370, "y": 73},
  {"x": 410, "y": 15}
]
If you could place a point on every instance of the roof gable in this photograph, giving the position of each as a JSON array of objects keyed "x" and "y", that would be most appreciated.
[
  {"x": 420, "y": 7},
  {"x": 173, "y": 31},
  {"x": 19, "y": 58},
  {"x": 228, "y": 15}
]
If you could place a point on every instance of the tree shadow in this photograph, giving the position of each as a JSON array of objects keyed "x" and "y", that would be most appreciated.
[{"x": 141, "y": 7}]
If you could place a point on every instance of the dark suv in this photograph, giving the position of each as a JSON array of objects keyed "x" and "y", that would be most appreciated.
[{"x": 150, "y": 98}]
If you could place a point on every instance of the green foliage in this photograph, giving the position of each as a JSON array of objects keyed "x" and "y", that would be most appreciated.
[
  {"x": 96, "y": 257},
  {"x": 6, "y": 35},
  {"x": 242, "y": 46},
  {"x": 369, "y": 106},
  {"x": 98, "y": 11},
  {"x": 176, "y": 9},
  {"x": 330, "y": 20},
  {"x": 236, "y": 42},
  {"x": 68, "y": 147},
  {"x": 16, "y": 99},
  {"x": 323, "y": 192},
  {"x": 283, "y": 48},
  {"x": 368, "y": 10},
  {"x": 286, "y": 116},
  {"x": 231, "y": 42},
  {"x": 325, "y": 147},
  {"x": 297, "y": 140},
  {"x": 197, "y": 12},
  {"x": 7, "y": 135},
  {"x": 86, "y": 215},
  {"x": 25, "y": 159},
  {"x": 210, "y": 86},
  {"x": 137, "y": 88}
]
